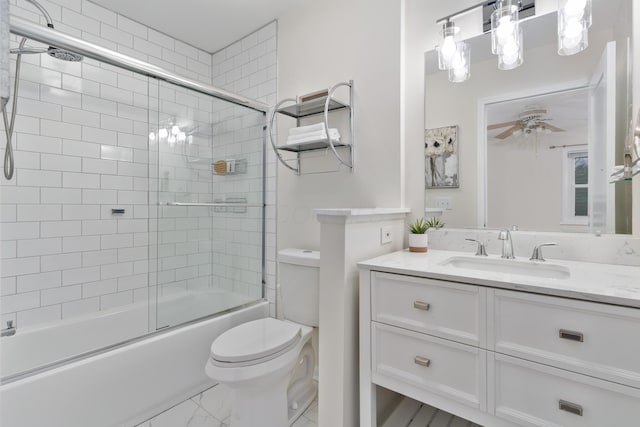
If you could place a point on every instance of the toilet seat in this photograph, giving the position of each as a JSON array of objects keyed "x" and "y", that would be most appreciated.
[{"x": 254, "y": 342}]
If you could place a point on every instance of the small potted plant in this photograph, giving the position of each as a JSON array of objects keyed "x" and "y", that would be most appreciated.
[{"x": 418, "y": 238}]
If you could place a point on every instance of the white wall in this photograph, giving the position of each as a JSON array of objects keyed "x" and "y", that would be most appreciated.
[{"x": 319, "y": 45}]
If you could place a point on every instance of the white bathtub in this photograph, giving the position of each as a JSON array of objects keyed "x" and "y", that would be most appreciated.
[
  {"x": 42, "y": 345},
  {"x": 117, "y": 388}
]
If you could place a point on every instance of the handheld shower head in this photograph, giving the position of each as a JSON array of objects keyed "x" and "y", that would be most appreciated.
[{"x": 64, "y": 55}]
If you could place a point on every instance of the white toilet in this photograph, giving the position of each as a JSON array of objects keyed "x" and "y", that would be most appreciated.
[{"x": 269, "y": 363}]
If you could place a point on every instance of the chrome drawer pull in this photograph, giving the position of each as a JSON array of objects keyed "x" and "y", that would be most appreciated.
[
  {"x": 422, "y": 361},
  {"x": 571, "y": 335},
  {"x": 421, "y": 305},
  {"x": 572, "y": 408}
]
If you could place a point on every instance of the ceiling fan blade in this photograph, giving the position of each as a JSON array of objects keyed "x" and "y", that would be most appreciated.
[
  {"x": 553, "y": 128},
  {"x": 501, "y": 125},
  {"x": 507, "y": 133}
]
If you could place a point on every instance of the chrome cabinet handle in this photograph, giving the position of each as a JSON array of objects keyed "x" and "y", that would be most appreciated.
[
  {"x": 572, "y": 408},
  {"x": 571, "y": 335},
  {"x": 422, "y": 361},
  {"x": 421, "y": 305}
]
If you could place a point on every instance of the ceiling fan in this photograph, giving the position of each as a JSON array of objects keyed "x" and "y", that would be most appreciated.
[{"x": 532, "y": 120}]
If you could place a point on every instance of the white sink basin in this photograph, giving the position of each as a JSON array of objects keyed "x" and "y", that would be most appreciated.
[{"x": 510, "y": 266}]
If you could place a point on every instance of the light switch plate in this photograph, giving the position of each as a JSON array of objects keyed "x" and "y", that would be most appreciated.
[{"x": 385, "y": 235}]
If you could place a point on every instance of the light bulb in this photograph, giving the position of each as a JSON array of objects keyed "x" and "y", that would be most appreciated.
[
  {"x": 572, "y": 34},
  {"x": 163, "y": 133},
  {"x": 171, "y": 140},
  {"x": 152, "y": 136},
  {"x": 175, "y": 130},
  {"x": 505, "y": 28},
  {"x": 448, "y": 48},
  {"x": 575, "y": 8},
  {"x": 510, "y": 52},
  {"x": 182, "y": 137}
]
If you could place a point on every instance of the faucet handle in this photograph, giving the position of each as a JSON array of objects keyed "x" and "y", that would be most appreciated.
[
  {"x": 537, "y": 251},
  {"x": 481, "y": 250}
]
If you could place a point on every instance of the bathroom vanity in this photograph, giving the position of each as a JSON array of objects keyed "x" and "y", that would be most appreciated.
[{"x": 502, "y": 342}]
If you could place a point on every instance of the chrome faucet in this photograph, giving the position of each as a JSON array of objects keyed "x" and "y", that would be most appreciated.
[
  {"x": 507, "y": 244},
  {"x": 9, "y": 330},
  {"x": 537, "y": 251},
  {"x": 481, "y": 249}
]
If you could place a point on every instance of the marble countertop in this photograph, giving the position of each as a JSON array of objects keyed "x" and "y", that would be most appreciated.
[{"x": 606, "y": 283}]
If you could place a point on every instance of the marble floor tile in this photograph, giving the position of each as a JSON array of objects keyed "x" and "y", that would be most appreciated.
[
  {"x": 186, "y": 414},
  {"x": 212, "y": 408},
  {"x": 217, "y": 401}
]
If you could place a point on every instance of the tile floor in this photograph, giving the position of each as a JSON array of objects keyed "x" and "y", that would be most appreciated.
[{"x": 212, "y": 408}]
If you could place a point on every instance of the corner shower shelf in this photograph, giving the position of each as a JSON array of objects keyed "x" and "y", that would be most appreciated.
[{"x": 300, "y": 110}]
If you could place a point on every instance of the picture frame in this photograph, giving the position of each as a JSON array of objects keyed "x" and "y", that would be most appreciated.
[{"x": 441, "y": 157}]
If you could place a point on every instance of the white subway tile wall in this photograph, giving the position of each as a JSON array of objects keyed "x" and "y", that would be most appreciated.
[
  {"x": 82, "y": 148},
  {"x": 249, "y": 67}
]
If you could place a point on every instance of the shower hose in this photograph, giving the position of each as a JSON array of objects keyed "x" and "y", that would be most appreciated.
[{"x": 9, "y": 124}]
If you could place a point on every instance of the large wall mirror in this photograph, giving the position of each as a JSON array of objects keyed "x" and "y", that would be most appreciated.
[{"x": 537, "y": 145}]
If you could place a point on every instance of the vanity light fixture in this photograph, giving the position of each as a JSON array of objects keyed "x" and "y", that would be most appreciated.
[
  {"x": 447, "y": 49},
  {"x": 460, "y": 69},
  {"x": 574, "y": 20},
  {"x": 506, "y": 35}
]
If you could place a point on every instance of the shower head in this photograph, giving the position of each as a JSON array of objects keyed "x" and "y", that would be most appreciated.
[
  {"x": 64, "y": 55},
  {"x": 54, "y": 52}
]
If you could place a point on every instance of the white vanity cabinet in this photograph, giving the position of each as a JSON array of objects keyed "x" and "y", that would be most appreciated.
[{"x": 497, "y": 357}]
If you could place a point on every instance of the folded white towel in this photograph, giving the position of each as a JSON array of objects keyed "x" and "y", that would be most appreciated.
[
  {"x": 296, "y": 141},
  {"x": 4, "y": 49},
  {"x": 332, "y": 132},
  {"x": 318, "y": 127}
]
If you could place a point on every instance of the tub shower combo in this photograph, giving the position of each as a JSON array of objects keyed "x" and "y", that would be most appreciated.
[{"x": 165, "y": 250}]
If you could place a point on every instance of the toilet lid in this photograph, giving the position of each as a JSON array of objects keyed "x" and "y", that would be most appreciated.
[{"x": 254, "y": 340}]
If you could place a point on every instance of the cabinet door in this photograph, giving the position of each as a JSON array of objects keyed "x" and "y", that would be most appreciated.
[
  {"x": 532, "y": 394},
  {"x": 444, "y": 309},
  {"x": 452, "y": 370},
  {"x": 590, "y": 338}
]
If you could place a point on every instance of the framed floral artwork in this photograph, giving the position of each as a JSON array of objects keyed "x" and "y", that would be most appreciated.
[{"x": 441, "y": 157}]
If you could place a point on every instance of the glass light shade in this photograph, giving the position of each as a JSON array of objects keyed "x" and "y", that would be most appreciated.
[
  {"x": 461, "y": 63},
  {"x": 511, "y": 52},
  {"x": 447, "y": 47},
  {"x": 175, "y": 130},
  {"x": 182, "y": 137},
  {"x": 152, "y": 136},
  {"x": 505, "y": 25},
  {"x": 163, "y": 133},
  {"x": 574, "y": 20}
]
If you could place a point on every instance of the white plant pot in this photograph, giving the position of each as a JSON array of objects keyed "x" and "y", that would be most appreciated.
[{"x": 418, "y": 242}]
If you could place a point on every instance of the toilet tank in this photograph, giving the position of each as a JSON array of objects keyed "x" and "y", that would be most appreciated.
[{"x": 299, "y": 284}]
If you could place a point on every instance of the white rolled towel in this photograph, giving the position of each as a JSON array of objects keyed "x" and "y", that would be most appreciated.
[
  {"x": 295, "y": 141},
  {"x": 4, "y": 49}
]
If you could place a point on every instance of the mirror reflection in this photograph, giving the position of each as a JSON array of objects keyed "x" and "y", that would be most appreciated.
[{"x": 538, "y": 144}]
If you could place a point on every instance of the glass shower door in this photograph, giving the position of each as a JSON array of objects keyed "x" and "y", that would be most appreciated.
[{"x": 208, "y": 242}]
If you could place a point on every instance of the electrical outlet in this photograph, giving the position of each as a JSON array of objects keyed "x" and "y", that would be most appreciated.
[
  {"x": 444, "y": 203},
  {"x": 385, "y": 235}
]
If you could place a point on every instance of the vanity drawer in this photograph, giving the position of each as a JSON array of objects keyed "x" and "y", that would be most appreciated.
[
  {"x": 445, "y": 309},
  {"x": 443, "y": 367},
  {"x": 532, "y": 394},
  {"x": 594, "y": 339}
]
